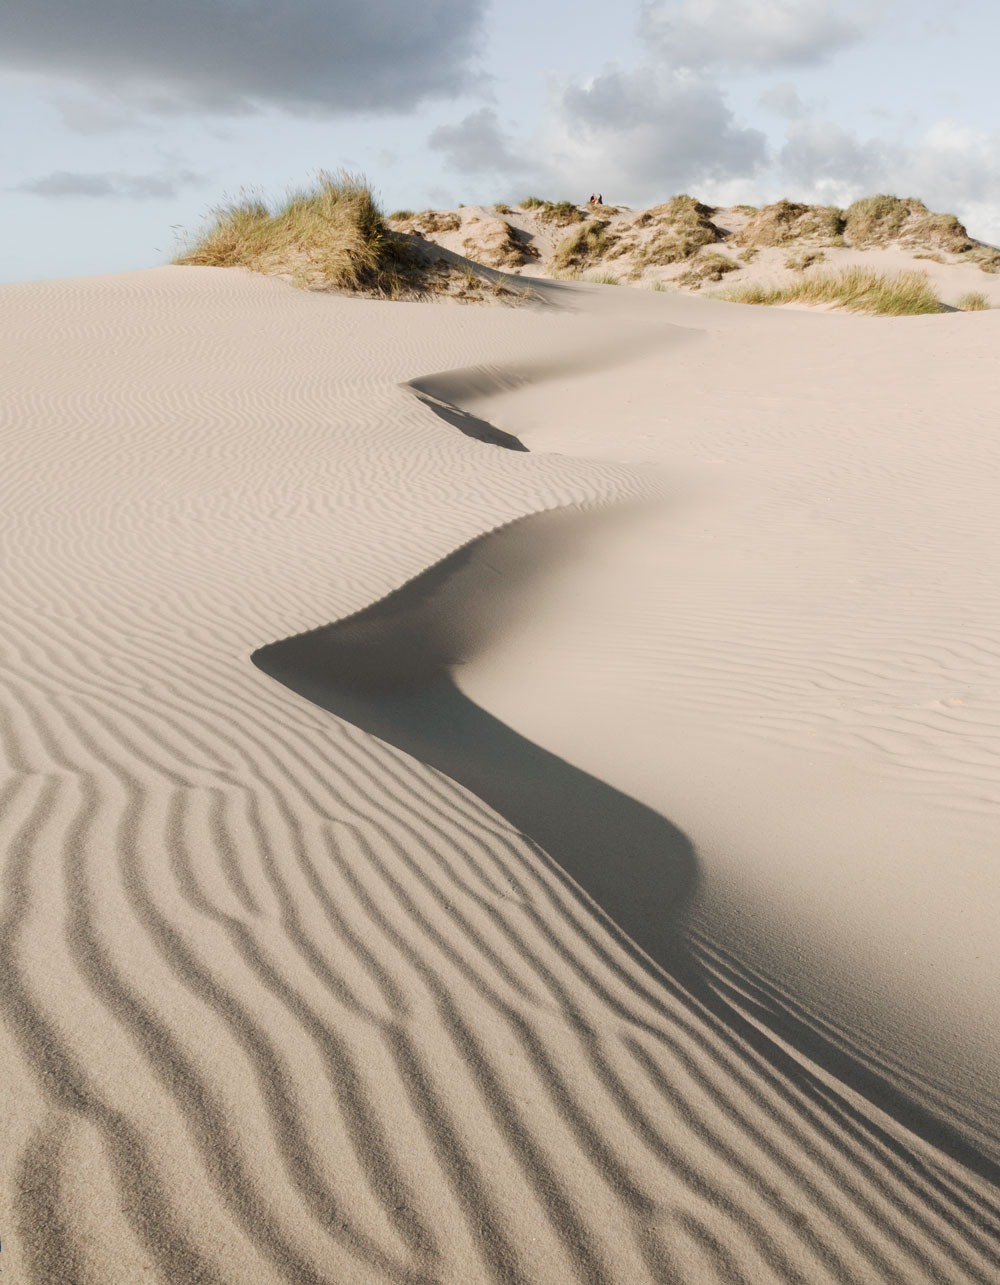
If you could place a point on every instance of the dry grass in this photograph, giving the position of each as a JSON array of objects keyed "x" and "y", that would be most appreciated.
[
  {"x": 603, "y": 278},
  {"x": 709, "y": 265},
  {"x": 987, "y": 258},
  {"x": 331, "y": 236},
  {"x": 973, "y": 302},
  {"x": 428, "y": 222},
  {"x": 877, "y": 220},
  {"x": 681, "y": 228},
  {"x": 584, "y": 246},
  {"x": 804, "y": 259},
  {"x": 785, "y": 221},
  {"x": 854, "y": 289},
  {"x": 496, "y": 244},
  {"x": 561, "y": 213}
]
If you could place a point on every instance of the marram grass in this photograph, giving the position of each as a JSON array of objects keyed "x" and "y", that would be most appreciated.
[
  {"x": 332, "y": 235},
  {"x": 856, "y": 289}
]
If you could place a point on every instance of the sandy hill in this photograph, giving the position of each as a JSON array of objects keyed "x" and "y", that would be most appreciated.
[{"x": 685, "y": 244}]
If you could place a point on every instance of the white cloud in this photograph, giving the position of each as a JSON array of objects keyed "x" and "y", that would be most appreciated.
[
  {"x": 752, "y": 33},
  {"x": 954, "y": 168},
  {"x": 783, "y": 99},
  {"x": 644, "y": 134}
]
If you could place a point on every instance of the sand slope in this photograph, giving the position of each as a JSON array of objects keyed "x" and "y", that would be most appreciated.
[{"x": 446, "y": 943}]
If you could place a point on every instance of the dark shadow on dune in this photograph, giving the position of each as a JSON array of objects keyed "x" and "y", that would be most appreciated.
[
  {"x": 389, "y": 671},
  {"x": 469, "y": 424}
]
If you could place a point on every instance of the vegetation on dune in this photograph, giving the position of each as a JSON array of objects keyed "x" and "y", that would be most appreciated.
[
  {"x": 785, "y": 221},
  {"x": 854, "y": 289},
  {"x": 877, "y": 220},
  {"x": 974, "y": 301},
  {"x": 561, "y": 213},
  {"x": 498, "y": 245},
  {"x": 804, "y": 259},
  {"x": 987, "y": 258},
  {"x": 584, "y": 246},
  {"x": 708, "y": 265},
  {"x": 331, "y": 236},
  {"x": 681, "y": 227}
]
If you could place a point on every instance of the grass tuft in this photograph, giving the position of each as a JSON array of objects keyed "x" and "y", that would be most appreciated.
[
  {"x": 332, "y": 235},
  {"x": 584, "y": 245},
  {"x": 805, "y": 259},
  {"x": 854, "y": 289},
  {"x": 680, "y": 228},
  {"x": 709, "y": 265},
  {"x": 973, "y": 302},
  {"x": 603, "y": 278},
  {"x": 876, "y": 220},
  {"x": 785, "y": 221}
]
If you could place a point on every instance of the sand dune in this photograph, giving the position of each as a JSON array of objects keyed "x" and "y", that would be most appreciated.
[{"x": 426, "y": 859}]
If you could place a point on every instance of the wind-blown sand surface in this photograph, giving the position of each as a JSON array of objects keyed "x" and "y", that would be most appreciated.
[{"x": 430, "y": 861}]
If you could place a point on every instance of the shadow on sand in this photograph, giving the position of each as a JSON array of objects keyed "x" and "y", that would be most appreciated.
[{"x": 388, "y": 670}]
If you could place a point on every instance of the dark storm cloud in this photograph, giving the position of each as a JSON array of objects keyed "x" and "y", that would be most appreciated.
[
  {"x": 134, "y": 187},
  {"x": 228, "y": 55}
]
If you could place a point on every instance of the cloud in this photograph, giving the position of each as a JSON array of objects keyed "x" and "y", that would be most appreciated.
[
  {"x": 477, "y": 145},
  {"x": 328, "y": 56},
  {"x": 954, "y": 168},
  {"x": 752, "y": 34},
  {"x": 643, "y": 134},
  {"x": 783, "y": 99},
  {"x": 134, "y": 187}
]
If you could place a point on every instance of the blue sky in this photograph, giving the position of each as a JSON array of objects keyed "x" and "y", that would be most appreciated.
[{"x": 126, "y": 124}]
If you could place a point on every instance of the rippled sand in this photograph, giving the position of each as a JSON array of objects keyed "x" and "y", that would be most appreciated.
[{"x": 427, "y": 860}]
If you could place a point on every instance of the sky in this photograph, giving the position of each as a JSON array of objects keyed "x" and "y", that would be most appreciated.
[{"x": 127, "y": 121}]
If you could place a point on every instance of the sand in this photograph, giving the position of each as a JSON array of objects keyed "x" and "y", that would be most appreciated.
[{"x": 496, "y": 794}]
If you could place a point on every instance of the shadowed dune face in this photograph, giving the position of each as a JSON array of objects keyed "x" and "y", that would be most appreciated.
[
  {"x": 394, "y": 670},
  {"x": 390, "y": 671}
]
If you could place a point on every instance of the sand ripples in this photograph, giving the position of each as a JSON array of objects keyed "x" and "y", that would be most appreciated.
[{"x": 283, "y": 1001}]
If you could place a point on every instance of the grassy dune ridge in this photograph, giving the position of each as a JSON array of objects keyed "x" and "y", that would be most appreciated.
[{"x": 334, "y": 236}]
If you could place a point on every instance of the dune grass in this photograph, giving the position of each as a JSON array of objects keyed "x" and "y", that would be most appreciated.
[
  {"x": 585, "y": 245},
  {"x": 974, "y": 301},
  {"x": 854, "y": 289},
  {"x": 332, "y": 235}
]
